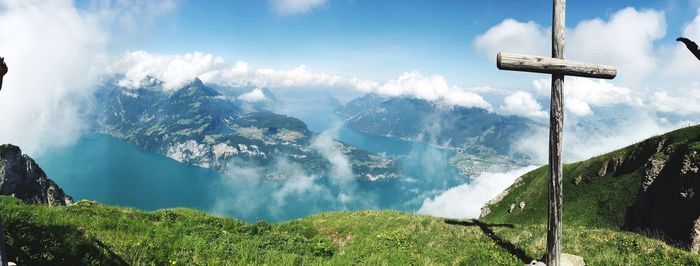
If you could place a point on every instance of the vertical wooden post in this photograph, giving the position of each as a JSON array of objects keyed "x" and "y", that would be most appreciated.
[{"x": 556, "y": 120}]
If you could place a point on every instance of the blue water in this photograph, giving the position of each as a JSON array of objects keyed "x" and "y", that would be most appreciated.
[{"x": 108, "y": 170}]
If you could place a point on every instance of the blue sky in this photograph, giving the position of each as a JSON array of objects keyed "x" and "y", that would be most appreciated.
[
  {"x": 370, "y": 39},
  {"x": 440, "y": 51}
]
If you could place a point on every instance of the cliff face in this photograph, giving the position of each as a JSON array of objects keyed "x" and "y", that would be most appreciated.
[
  {"x": 22, "y": 178},
  {"x": 667, "y": 199},
  {"x": 651, "y": 186}
]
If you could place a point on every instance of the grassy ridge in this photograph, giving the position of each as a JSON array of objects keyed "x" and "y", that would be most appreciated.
[
  {"x": 91, "y": 233},
  {"x": 599, "y": 202}
]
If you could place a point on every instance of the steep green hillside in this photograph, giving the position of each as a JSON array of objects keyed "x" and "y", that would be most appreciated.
[
  {"x": 648, "y": 186},
  {"x": 91, "y": 233}
]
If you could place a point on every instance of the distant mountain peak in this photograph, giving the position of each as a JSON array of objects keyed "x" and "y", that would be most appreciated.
[{"x": 197, "y": 82}]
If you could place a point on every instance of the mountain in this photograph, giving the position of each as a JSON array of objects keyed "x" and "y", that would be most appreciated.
[
  {"x": 648, "y": 187},
  {"x": 360, "y": 105},
  {"x": 480, "y": 138},
  {"x": 89, "y": 233},
  {"x": 22, "y": 178},
  {"x": 197, "y": 125}
]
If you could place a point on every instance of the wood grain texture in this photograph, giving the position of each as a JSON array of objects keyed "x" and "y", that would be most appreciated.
[
  {"x": 539, "y": 64},
  {"x": 556, "y": 123}
]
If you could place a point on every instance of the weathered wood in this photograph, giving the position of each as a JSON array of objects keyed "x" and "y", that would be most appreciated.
[
  {"x": 556, "y": 123},
  {"x": 539, "y": 64},
  {"x": 558, "y": 67}
]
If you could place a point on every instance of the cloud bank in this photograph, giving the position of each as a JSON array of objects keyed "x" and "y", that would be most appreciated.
[
  {"x": 50, "y": 50},
  {"x": 580, "y": 94},
  {"x": 292, "y": 191},
  {"x": 178, "y": 70},
  {"x": 596, "y": 41},
  {"x": 255, "y": 95},
  {"x": 523, "y": 104},
  {"x": 56, "y": 54},
  {"x": 465, "y": 201}
]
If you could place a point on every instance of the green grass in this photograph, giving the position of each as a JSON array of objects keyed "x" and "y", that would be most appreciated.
[
  {"x": 90, "y": 233},
  {"x": 598, "y": 202}
]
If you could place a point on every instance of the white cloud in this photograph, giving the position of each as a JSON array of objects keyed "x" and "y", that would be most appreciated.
[
  {"x": 174, "y": 70},
  {"x": 50, "y": 48},
  {"x": 296, "y": 184},
  {"x": 683, "y": 101},
  {"x": 515, "y": 37},
  {"x": 465, "y": 201},
  {"x": 583, "y": 142},
  {"x": 434, "y": 88},
  {"x": 55, "y": 56},
  {"x": 255, "y": 95},
  {"x": 625, "y": 40},
  {"x": 289, "y": 7},
  {"x": 177, "y": 70},
  {"x": 522, "y": 103},
  {"x": 341, "y": 168},
  {"x": 299, "y": 76},
  {"x": 682, "y": 62},
  {"x": 582, "y": 93}
]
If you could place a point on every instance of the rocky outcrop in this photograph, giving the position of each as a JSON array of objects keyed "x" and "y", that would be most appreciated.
[
  {"x": 610, "y": 167},
  {"x": 666, "y": 202},
  {"x": 658, "y": 181},
  {"x": 22, "y": 178}
]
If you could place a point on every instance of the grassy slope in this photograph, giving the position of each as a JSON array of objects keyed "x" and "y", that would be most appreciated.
[
  {"x": 90, "y": 233},
  {"x": 600, "y": 202}
]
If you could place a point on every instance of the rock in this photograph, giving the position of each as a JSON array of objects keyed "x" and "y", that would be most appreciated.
[
  {"x": 603, "y": 170},
  {"x": 566, "y": 260},
  {"x": 512, "y": 206},
  {"x": 610, "y": 167},
  {"x": 689, "y": 164},
  {"x": 69, "y": 200},
  {"x": 666, "y": 202},
  {"x": 535, "y": 263},
  {"x": 578, "y": 179},
  {"x": 485, "y": 211},
  {"x": 22, "y": 178},
  {"x": 522, "y": 205},
  {"x": 688, "y": 193},
  {"x": 573, "y": 260},
  {"x": 652, "y": 170},
  {"x": 695, "y": 237}
]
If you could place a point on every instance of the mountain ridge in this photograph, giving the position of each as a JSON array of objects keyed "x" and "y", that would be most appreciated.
[
  {"x": 482, "y": 140},
  {"x": 21, "y": 177},
  {"x": 649, "y": 186},
  {"x": 198, "y": 125}
]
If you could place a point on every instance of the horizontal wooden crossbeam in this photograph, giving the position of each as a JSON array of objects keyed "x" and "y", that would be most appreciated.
[{"x": 539, "y": 64}]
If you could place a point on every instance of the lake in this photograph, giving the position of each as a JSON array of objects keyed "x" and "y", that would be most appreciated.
[{"x": 108, "y": 170}]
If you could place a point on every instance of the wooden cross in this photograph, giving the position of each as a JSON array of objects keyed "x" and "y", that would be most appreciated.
[{"x": 558, "y": 67}]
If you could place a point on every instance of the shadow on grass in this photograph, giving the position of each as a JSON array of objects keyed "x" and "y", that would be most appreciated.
[
  {"x": 33, "y": 244},
  {"x": 486, "y": 228}
]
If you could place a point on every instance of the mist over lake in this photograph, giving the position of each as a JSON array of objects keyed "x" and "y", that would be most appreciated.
[{"x": 108, "y": 170}]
